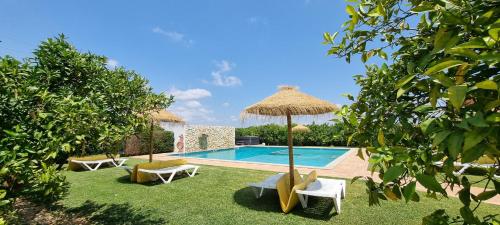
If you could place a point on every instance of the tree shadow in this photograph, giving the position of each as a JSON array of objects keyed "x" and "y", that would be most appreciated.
[
  {"x": 114, "y": 214},
  {"x": 318, "y": 208}
]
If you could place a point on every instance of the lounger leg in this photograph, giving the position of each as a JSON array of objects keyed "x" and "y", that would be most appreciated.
[
  {"x": 461, "y": 171},
  {"x": 336, "y": 204},
  {"x": 161, "y": 178},
  {"x": 258, "y": 191},
  {"x": 193, "y": 173},
  {"x": 87, "y": 166},
  {"x": 171, "y": 177},
  {"x": 122, "y": 161},
  {"x": 303, "y": 200},
  {"x": 90, "y": 168}
]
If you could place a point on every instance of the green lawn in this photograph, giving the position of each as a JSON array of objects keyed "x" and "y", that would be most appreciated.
[{"x": 219, "y": 195}]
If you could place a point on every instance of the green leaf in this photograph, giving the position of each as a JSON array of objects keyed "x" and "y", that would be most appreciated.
[
  {"x": 473, "y": 153},
  {"x": 443, "y": 66},
  {"x": 485, "y": 17},
  {"x": 393, "y": 173},
  {"x": 497, "y": 186},
  {"x": 462, "y": 52},
  {"x": 424, "y": 126},
  {"x": 474, "y": 137},
  {"x": 494, "y": 117},
  {"x": 456, "y": 95},
  {"x": 486, "y": 195},
  {"x": 455, "y": 141},
  {"x": 404, "y": 80},
  {"x": 491, "y": 105},
  {"x": 442, "y": 79},
  {"x": 423, "y": 8},
  {"x": 475, "y": 43},
  {"x": 478, "y": 120},
  {"x": 434, "y": 95},
  {"x": 409, "y": 190},
  {"x": 380, "y": 137},
  {"x": 440, "y": 137},
  {"x": 442, "y": 38},
  {"x": 494, "y": 33},
  {"x": 468, "y": 216},
  {"x": 464, "y": 196},
  {"x": 350, "y": 10},
  {"x": 487, "y": 84},
  {"x": 430, "y": 183}
]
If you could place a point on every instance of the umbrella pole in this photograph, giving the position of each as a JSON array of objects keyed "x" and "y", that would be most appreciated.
[
  {"x": 290, "y": 149},
  {"x": 151, "y": 142}
]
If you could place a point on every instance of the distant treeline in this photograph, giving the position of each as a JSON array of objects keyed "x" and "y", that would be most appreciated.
[{"x": 320, "y": 135}]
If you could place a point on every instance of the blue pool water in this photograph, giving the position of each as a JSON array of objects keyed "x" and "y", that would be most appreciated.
[{"x": 311, "y": 157}]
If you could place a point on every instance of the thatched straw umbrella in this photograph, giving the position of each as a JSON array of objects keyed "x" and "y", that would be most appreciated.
[
  {"x": 288, "y": 101},
  {"x": 157, "y": 117},
  {"x": 301, "y": 129}
]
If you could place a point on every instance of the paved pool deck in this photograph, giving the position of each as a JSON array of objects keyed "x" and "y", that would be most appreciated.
[{"x": 347, "y": 167}]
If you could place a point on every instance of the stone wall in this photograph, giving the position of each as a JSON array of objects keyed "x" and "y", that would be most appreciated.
[{"x": 200, "y": 138}]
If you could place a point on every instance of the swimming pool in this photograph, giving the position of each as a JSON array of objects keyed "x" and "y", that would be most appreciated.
[{"x": 308, "y": 157}]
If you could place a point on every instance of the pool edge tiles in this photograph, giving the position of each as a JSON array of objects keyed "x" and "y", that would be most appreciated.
[{"x": 317, "y": 159}]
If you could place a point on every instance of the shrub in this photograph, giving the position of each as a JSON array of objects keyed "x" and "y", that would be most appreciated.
[
  {"x": 62, "y": 102},
  {"x": 163, "y": 141},
  {"x": 320, "y": 135}
]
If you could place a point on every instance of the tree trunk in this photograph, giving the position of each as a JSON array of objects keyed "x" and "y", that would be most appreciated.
[
  {"x": 151, "y": 142},
  {"x": 290, "y": 149}
]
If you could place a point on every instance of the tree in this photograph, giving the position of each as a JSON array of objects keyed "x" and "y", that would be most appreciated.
[
  {"x": 62, "y": 102},
  {"x": 436, "y": 99}
]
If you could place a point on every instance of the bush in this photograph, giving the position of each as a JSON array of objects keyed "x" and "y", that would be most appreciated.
[
  {"x": 163, "y": 141},
  {"x": 320, "y": 135},
  {"x": 62, "y": 102}
]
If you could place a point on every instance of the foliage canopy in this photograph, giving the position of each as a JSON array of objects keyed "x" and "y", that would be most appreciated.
[{"x": 437, "y": 98}]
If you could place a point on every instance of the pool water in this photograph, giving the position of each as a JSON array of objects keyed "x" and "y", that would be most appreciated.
[{"x": 309, "y": 157}]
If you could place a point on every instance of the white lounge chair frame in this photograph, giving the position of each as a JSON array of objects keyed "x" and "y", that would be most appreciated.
[
  {"x": 87, "y": 163},
  {"x": 322, "y": 187},
  {"x": 466, "y": 166},
  {"x": 325, "y": 188},
  {"x": 172, "y": 171}
]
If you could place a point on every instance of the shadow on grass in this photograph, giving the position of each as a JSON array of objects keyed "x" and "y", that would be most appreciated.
[
  {"x": 318, "y": 208},
  {"x": 126, "y": 179},
  {"x": 115, "y": 214}
]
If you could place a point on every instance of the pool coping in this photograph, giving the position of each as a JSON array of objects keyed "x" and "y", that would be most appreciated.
[{"x": 330, "y": 165}]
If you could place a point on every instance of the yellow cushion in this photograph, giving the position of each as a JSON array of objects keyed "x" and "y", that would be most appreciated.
[
  {"x": 140, "y": 177},
  {"x": 76, "y": 166},
  {"x": 288, "y": 198}
]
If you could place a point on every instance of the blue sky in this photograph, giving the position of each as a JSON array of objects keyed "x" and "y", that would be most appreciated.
[{"x": 217, "y": 57}]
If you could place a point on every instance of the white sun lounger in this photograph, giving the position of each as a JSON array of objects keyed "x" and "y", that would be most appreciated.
[
  {"x": 322, "y": 187},
  {"x": 325, "y": 188},
  {"x": 466, "y": 166},
  {"x": 87, "y": 163},
  {"x": 269, "y": 183},
  {"x": 172, "y": 171}
]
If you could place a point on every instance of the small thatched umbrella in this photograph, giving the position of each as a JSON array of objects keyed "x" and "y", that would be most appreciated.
[
  {"x": 301, "y": 129},
  {"x": 288, "y": 101},
  {"x": 157, "y": 117}
]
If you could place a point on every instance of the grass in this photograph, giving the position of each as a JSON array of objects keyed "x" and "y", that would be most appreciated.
[{"x": 219, "y": 195}]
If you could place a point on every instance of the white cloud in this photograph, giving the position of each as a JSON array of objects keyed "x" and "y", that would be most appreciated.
[
  {"x": 189, "y": 94},
  {"x": 219, "y": 76},
  {"x": 198, "y": 114},
  {"x": 193, "y": 104},
  {"x": 226, "y": 104},
  {"x": 189, "y": 107},
  {"x": 174, "y": 36},
  {"x": 233, "y": 118},
  {"x": 256, "y": 20},
  {"x": 112, "y": 63}
]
